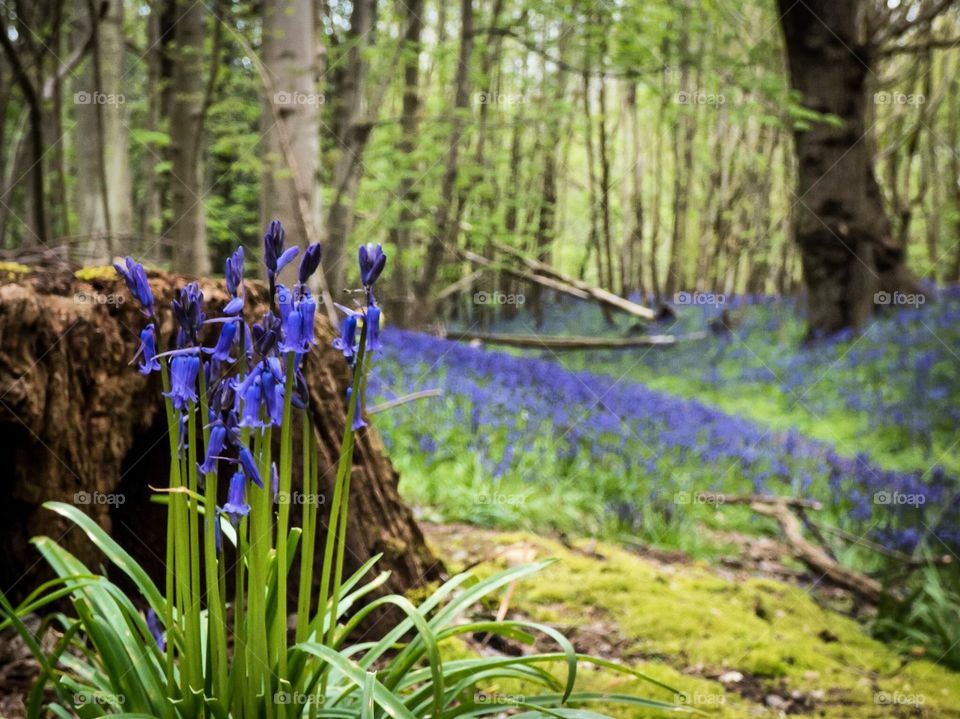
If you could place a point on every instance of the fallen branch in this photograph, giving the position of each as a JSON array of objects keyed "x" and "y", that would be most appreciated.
[
  {"x": 573, "y": 343},
  {"x": 551, "y": 279},
  {"x": 814, "y": 556}
]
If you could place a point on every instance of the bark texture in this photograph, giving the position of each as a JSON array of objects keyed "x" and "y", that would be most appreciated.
[
  {"x": 846, "y": 242},
  {"x": 77, "y": 424}
]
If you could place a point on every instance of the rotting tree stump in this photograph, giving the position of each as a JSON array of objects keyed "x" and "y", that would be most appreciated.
[{"x": 78, "y": 424}]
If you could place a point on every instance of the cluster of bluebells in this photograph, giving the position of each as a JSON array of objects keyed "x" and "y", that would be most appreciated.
[
  {"x": 243, "y": 373},
  {"x": 531, "y": 419}
]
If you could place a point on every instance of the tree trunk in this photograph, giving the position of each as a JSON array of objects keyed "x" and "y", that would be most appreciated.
[
  {"x": 401, "y": 232},
  {"x": 446, "y": 229},
  {"x": 845, "y": 239},
  {"x": 77, "y": 424},
  {"x": 104, "y": 199},
  {"x": 188, "y": 228},
  {"x": 290, "y": 54},
  {"x": 351, "y": 133}
]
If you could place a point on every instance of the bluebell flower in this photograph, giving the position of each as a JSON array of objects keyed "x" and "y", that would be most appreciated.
[
  {"x": 228, "y": 335},
  {"x": 308, "y": 310},
  {"x": 372, "y": 322},
  {"x": 249, "y": 465},
  {"x": 188, "y": 311},
  {"x": 236, "y": 505},
  {"x": 347, "y": 340},
  {"x": 136, "y": 279},
  {"x": 183, "y": 380},
  {"x": 234, "y": 306},
  {"x": 309, "y": 263},
  {"x": 372, "y": 261},
  {"x": 292, "y": 332},
  {"x": 148, "y": 351},
  {"x": 218, "y": 435},
  {"x": 284, "y": 301},
  {"x": 274, "y": 256},
  {"x": 272, "y": 392},
  {"x": 153, "y": 624},
  {"x": 358, "y": 422},
  {"x": 234, "y": 273},
  {"x": 266, "y": 333},
  {"x": 251, "y": 396}
]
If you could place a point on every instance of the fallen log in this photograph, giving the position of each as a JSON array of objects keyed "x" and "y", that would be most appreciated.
[
  {"x": 573, "y": 343},
  {"x": 565, "y": 285},
  {"x": 598, "y": 294}
]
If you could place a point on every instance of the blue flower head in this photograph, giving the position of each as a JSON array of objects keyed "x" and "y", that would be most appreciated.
[
  {"x": 188, "y": 311},
  {"x": 347, "y": 341},
  {"x": 249, "y": 465},
  {"x": 274, "y": 256},
  {"x": 228, "y": 336},
  {"x": 309, "y": 262},
  {"x": 372, "y": 322},
  {"x": 218, "y": 435},
  {"x": 136, "y": 279},
  {"x": 148, "y": 351},
  {"x": 236, "y": 505},
  {"x": 234, "y": 272},
  {"x": 183, "y": 380},
  {"x": 153, "y": 624},
  {"x": 372, "y": 261}
]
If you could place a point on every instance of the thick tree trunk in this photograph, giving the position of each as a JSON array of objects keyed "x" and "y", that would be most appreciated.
[
  {"x": 845, "y": 238},
  {"x": 77, "y": 424}
]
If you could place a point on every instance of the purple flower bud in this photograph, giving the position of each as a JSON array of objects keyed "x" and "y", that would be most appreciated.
[
  {"x": 236, "y": 505},
  {"x": 249, "y": 465},
  {"x": 310, "y": 262},
  {"x": 372, "y": 261},
  {"x": 234, "y": 306},
  {"x": 153, "y": 624},
  {"x": 287, "y": 257},
  {"x": 234, "y": 272},
  {"x": 273, "y": 245},
  {"x": 372, "y": 322},
  {"x": 136, "y": 279},
  {"x": 228, "y": 335},
  {"x": 347, "y": 341},
  {"x": 183, "y": 380},
  {"x": 358, "y": 422},
  {"x": 148, "y": 349},
  {"x": 284, "y": 301},
  {"x": 251, "y": 394},
  {"x": 188, "y": 311},
  {"x": 218, "y": 434},
  {"x": 308, "y": 310}
]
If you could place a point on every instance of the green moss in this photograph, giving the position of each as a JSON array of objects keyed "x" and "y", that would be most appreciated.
[
  {"x": 13, "y": 270},
  {"x": 693, "y": 621},
  {"x": 90, "y": 274}
]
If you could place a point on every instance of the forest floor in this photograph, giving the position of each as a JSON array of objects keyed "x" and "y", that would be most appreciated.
[{"x": 757, "y": 638}]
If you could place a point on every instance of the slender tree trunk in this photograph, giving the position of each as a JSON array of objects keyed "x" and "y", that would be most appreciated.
[
  {"x": 188, "y": 224},
  {"x": 401, "y": 232},
  {"x": 446, "y": 231},
  {"x": 845, "y": 238},
  {"x": 290, "y": 56},
  {"x": 351, "y": 134}
]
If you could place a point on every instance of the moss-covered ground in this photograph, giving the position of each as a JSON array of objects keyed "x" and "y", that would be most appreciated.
[{"x": 732, "y": 645}]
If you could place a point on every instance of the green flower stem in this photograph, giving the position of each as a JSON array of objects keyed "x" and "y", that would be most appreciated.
[
  {"x": 279, "y": 628},
  {"x": 193, "y": 610},
  {"x": 307, "y": 541},
  {"x": 171, "y": 531}
]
